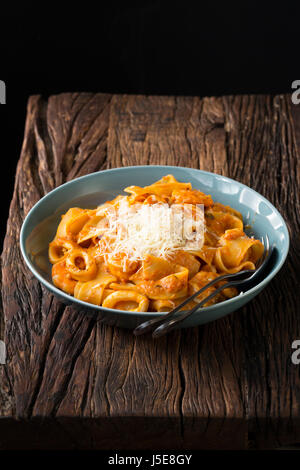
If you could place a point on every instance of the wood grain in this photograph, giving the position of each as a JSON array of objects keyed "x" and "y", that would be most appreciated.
[{"x": 73, "y": 382}]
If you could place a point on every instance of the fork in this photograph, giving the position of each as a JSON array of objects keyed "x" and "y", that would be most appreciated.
[{"x": 167, "y": 322}]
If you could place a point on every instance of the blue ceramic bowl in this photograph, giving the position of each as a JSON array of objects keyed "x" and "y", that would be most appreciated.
[{"x": 91, "y": 190}]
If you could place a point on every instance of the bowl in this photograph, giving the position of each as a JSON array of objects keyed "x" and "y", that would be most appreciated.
[{"x": 39, "y": 228}]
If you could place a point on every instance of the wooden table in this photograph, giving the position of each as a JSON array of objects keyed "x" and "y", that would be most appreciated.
[{"x": 71, "y": 382}]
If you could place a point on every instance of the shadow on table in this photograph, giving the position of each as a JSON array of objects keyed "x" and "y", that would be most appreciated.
[{"x": 145, "y": 433}]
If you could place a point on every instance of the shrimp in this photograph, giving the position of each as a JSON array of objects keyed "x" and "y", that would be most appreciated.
[{"x": 62, "y": 278}]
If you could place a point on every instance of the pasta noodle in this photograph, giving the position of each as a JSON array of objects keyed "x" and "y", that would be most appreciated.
[{"x": 151, "y": 249}]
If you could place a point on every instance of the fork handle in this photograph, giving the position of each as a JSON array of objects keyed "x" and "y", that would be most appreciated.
[
  {"x": 149, "y": 325},
  {"x": 169, "y": 325}
]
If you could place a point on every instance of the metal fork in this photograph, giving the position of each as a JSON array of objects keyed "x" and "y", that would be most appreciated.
[{"x": 167, "y": 322}]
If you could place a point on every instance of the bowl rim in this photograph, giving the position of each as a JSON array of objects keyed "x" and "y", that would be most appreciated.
[{"x": 216, "y": 307}]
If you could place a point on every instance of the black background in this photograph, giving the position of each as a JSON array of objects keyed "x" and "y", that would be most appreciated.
[{"x": 158, "y": 47}]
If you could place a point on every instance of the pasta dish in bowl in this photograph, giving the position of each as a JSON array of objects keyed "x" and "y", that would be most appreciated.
[
  {"x": 128, "y": 255},
  {"x": 151, "y": 249}
]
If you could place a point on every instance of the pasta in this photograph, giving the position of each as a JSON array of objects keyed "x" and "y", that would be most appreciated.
[{"x": 151, "y": 249}]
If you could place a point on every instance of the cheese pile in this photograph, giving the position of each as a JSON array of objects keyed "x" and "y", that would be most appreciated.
[{"x": 157, "y": 229}]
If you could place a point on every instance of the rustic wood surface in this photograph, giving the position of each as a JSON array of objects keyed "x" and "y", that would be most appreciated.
[{"x": 72, "y": 382}]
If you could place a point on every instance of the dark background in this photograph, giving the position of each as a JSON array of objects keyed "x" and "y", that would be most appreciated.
[{"x": 158, "y": 47}]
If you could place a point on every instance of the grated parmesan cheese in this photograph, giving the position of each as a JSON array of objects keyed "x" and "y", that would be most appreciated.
[{"x": 157, "y": 229}]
